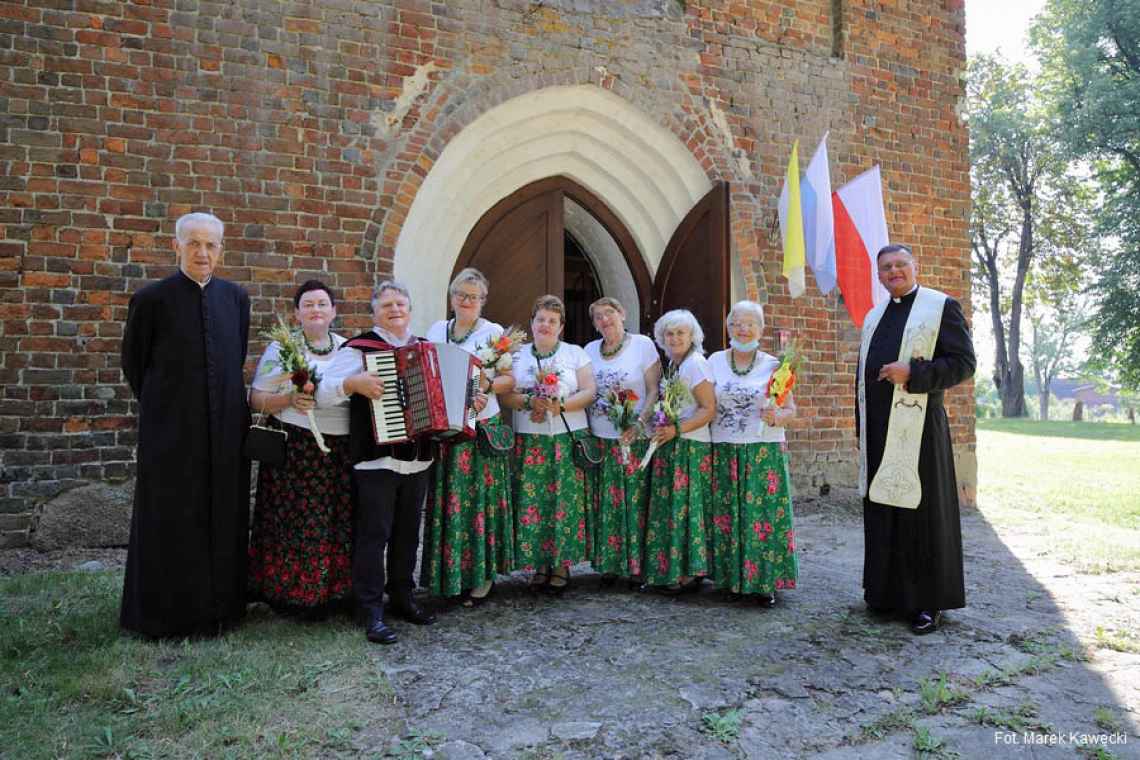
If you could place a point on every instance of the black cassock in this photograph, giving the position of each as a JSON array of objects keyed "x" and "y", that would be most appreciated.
[
  {"x": 913, "y": 557},
  {"x": 183, "y": 351}
]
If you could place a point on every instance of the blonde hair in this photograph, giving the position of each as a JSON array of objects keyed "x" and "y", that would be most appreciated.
[
  {"x": 606, "y": 301},
  {"x": 469, "y": 274},
  {"x": 549, "y": 303}
]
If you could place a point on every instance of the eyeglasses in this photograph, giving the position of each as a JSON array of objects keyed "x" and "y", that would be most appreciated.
[
  {"x": 467, "y": 297},
  {"x": 888, "y": 266}
]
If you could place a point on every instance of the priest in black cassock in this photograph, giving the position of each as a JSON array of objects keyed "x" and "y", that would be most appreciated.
[
  {"x": 183, "y": 351},
  {"x": 916, "y": 344}
]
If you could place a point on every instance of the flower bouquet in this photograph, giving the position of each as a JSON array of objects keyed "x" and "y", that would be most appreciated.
[
  {"x": 292, "y": 362},
  {"x": 620, "y": 407},
  {"x": 546, "y": 386},
  {"x": 675, "y": 396},
  {"x": 782, "y": 381},
  {"x": 496, "y": 355}
]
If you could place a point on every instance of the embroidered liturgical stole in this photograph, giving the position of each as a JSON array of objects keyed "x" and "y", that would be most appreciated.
[{"x": 896, "y": 483}]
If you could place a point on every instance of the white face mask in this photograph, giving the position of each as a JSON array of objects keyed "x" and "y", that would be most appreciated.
[{"x": 744, "y": 348}]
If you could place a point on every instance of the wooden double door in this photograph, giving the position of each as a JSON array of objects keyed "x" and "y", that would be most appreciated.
[{"x": 520, "y": 244}]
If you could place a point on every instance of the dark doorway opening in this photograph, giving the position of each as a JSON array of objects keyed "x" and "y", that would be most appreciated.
[{"x": 581, "y": 289}]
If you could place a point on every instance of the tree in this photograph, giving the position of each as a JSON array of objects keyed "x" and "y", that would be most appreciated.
[
  {"x": 1090, "y": 54},
  {"x": 1057, "y": 300},
  {"x": 1016, "y": 170}
]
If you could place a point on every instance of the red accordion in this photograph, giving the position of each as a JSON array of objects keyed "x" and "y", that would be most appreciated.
[{"x": 434, "y": 384}]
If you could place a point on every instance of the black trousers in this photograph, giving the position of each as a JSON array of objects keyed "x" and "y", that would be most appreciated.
[{"x": 386, "y": 521}]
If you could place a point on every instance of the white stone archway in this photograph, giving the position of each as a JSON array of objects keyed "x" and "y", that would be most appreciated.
[{"x": 638, "y": 168}]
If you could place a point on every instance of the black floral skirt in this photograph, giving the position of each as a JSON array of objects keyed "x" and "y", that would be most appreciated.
[{"x": 300, "y": 547}]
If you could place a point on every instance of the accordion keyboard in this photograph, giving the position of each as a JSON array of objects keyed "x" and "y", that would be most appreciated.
[{"x": 388, "y": 412}]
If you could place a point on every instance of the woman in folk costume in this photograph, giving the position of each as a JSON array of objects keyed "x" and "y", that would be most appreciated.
[
  {"x": 300, "y": 546},
  {"x": 676, "y": 550},
  {"x": 468, "y": 536},
  {"x": 751, "y": 536},
  {"x": 627, "y": 371},
  {"x": 554, "y": 385}
]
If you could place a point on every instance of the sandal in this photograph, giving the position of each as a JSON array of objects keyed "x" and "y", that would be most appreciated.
[
  {"x": 478, "y": 600},
  {"x": 557, "y": 589},
  {"x": 540, "y": 579}
]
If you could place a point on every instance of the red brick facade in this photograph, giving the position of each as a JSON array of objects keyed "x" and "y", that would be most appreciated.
[{"x": 308, "y": 127}]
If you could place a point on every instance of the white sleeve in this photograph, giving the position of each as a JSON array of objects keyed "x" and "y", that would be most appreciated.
[
  {"x": 268, "y": 376},
  {"x": 345, "y": 363},
  {"x": 437, "y": 333},
  {"x": 649, "y": 355},
  {"x": 697, "y": 371}
]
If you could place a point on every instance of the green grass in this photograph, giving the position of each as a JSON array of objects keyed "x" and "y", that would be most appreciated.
[
  {"x": 1089, "y": 431},
  {"x": 1076, "y": 475},
  {"x": 72, "y": 686},
  {"x": 1078, "y": 482}
]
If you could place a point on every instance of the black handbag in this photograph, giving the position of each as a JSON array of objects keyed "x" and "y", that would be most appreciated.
[
  {"x": 587, "y": 450},
  {"x": 265, "y": 444}
]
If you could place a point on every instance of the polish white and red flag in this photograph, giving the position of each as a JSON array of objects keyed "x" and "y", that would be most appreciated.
[{"x": 860, "y": 231}]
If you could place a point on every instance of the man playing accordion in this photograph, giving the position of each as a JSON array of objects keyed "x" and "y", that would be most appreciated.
[{"x": 391, "y": 479}]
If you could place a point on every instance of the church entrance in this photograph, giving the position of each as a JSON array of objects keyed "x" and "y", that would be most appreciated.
[{"x": 555, "y": 236}]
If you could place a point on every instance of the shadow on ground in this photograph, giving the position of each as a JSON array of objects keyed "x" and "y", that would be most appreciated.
[{"x": 615, "y": 673}]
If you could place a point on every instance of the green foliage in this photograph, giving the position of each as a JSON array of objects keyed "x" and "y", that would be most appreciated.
[
  {"x": 415, "y": 744},
  {"x": 1120, "y": 641},
  {"x": 926, "y": 743},
  {"x": 1030, "y": 229},
  {"x": 724, "y": 727},
  {"x": 936, "y": 693},
  {"x": 1090, "y": 55},
  {"x": 1107, "y": 719},
  {"x": 901, "y": 719},
  {"x": 1020, "y": 720}
]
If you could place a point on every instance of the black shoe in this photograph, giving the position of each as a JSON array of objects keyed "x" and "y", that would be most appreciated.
[
  {"x": 378, "y": 633},
  {"x": 767, "y": 601},
  {"x": 925, "y": 622},
  {"x": 609, "y": 580},
  {"x": 881, "y": 611},
  {"x": 407, "y": 609},
  {"x": 557, "y": 584}
]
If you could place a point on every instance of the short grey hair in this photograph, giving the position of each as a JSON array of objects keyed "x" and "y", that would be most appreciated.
[
  {"x": 746, "y": 308},
  {"x": 679, "y": 318},
  {"x": 395, "y": 285},
  {"x": 469, "y": 274},
  {"x": 197, "y": 217}
]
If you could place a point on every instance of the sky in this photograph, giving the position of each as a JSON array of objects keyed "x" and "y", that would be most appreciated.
[
  {"x": 1000, "y": 24},
  {"x": 993, "y": 25}
]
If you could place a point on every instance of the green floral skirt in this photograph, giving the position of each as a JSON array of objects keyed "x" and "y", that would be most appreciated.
[
  {"x": 619, "y": 493},
  {"x": 469, "y": 531},
  {"x": 675, "y": 535},
  {"x": 752, "y": 540},
  {"x": 549, "y": 503}
]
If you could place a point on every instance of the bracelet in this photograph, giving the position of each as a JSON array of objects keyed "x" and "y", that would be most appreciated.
[{"x": 677, "y": 427}]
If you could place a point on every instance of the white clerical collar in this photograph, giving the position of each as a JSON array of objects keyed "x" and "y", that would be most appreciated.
[
  {"x": 904, "y": 295},
  {"x": 390, "y": 337},
  {"x": 191, "y": 279}
]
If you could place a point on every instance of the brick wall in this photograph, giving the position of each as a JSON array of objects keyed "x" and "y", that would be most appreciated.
[{"x": 309, "y": 126}]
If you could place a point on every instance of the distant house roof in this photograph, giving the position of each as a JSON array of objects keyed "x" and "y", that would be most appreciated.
[{"x": 1084, "y": 391}]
